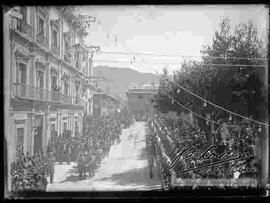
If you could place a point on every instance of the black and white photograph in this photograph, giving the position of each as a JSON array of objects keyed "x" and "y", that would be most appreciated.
[{"x": 117, "y": 98}]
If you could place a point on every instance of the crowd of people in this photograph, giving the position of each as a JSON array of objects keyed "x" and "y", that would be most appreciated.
[
  {"x": 241, "y": 138},
  {"x": 64, "y": 146},
  {"x": 99, "y": 134},
  {"x": 29, "y": 173}
]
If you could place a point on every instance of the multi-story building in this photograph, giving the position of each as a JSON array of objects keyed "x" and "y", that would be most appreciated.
[
  {"x": 105, "y": 104},
  {"x": 49, "y": 66},
  {"x": 140, "y": 98}
]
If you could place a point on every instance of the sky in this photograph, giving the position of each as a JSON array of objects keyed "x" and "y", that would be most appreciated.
[{"x": 163, "y": 30}]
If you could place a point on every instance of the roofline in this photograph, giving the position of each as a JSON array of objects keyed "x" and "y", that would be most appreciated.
[{"x": 102, "y": 93}]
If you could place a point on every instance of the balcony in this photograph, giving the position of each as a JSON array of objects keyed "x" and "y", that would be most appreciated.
[
  {"x": 22, "y": 27},
  {"x": 78, "y": 101},
  {"x": 54, "y": 96},
  {"x": 28, "y": 92},
  {"x": 42, "y": 39},
  {"x": 56, "y": 50},
  {"x": 36, "y": 93},
  {"x": 66, "y": 99}
]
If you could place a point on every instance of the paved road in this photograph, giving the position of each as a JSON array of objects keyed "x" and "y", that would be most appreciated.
[{"x": 125, "y": 168}]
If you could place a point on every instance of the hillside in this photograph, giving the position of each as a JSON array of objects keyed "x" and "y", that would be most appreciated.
[{"x": 118, "y": 80}]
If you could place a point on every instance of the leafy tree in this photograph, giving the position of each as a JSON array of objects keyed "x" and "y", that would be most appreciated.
[{"x": 239, "y": 89}]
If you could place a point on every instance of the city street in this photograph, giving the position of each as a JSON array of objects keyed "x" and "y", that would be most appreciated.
[
  {"x": 125, "y": 168},
  {"x": 177, "y": 101}
]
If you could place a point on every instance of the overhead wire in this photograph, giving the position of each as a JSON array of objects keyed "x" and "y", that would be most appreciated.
[
  {"x": 185, "y": 56},
  {"x": 217, "y": 106}
]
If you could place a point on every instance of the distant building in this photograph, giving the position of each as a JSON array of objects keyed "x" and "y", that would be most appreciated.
[
  {"x": 105, "y": 104},
  {"x": 140, "y": 97}
]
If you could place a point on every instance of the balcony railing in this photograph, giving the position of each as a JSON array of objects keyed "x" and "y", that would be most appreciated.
[
  {"x": 42, "y": 39},
  {"x": 79, "y": 101},
  {"x": 54, "y": 96},
  {"x": 66, "y": 99},
  {"x": 56, "y": 50},
  {"x": 22, "y": 27},
  {"x": 36, "y": 93}
]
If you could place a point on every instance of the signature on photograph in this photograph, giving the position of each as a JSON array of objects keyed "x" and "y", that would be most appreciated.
[{"x": 209, "y": 161}]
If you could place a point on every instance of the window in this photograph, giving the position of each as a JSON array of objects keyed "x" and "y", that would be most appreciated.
[
  {"x": 68, "y": 40},
  {"x": 21, "y": 73},
  {"x": 77, "y": 59},
  {"x": 65, "y": 126},
  {"x": 66, "y": 43},
  {"x": 52, "y": 127},
  {"x": 84, "y": 63},
  {"x": 28, "y": 16},
  {"x": 19, "y": 140},
  {"x": 54, "y": 39},
  {"x": 55, "y": 34},
  {"x": 53, "y": 82},
  {"x": 77, "y": 89},
  {"x": 40, "y": 79},
  {"x": 26, "y": 13},
  {"x": 66, "y": 88},
  {"x": 76, "y": 127},
  {"x": 41, "y": 24}
]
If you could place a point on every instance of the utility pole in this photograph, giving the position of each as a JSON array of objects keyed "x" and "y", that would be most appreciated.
[{"x": 92, "y": 50}]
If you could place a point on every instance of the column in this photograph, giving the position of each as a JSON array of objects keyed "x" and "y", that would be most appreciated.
[
  {"x": 28, "y": 132},
  {"x": 32, "y": 133},
  {"x": 49, "y": 78},
  {"x": 7, "y": 67},
  {"x": 91, "y": 103},
  {"x": 72, "y": 128},
  {"x": 12, "y": 138},
  {"x": 59, "y": 121},
  {"x": 44, "y": 132}
]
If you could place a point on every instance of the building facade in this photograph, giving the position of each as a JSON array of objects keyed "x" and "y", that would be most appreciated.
[
  {"x": 140, "y": 99},
  {"x": 49, "y": 69},
  {"x": 105, "y": 104}
]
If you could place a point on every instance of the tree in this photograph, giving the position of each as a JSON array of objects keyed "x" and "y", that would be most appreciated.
[
  {"x": 240, "y": 89},
  {"x": 162, "y": 102}
]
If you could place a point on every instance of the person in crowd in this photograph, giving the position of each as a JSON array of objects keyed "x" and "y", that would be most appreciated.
[
  {"x": 51, "y": 162},
  {"x": 67, "y": 152},
  {"x": 80, "y": 165},
  {"x": 61, "y": 150},
  {"x": 44, "y": 182},
  {"x": 150, "y": 143}
]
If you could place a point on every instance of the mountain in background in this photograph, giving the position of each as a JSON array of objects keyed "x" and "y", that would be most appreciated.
[{"x": 118, "y": 80}]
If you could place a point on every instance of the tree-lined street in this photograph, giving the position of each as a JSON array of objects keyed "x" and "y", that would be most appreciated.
[{"x": 180, "y": 95}]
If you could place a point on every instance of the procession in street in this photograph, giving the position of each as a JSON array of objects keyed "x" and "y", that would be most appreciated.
[
  {"x": 185, "y": 109},
  {"x": 125, "y": 167}
]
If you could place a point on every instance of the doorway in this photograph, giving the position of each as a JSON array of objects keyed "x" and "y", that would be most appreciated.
[{"x": 38, "y": 134}]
